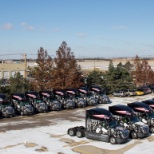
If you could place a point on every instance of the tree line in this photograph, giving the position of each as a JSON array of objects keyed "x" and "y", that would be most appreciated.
[{"x": 63, "y": 72}]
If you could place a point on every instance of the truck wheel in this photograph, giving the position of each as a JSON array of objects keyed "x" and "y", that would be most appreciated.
[
  {"x": 152, "y": 129},
  {"x": 71, "y": 132},
  {"x": 79, "y": 133},
  {"x": 133, "y": 134},
  {"x": 113, "y": 140}
]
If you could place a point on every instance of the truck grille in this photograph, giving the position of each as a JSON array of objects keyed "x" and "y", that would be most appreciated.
[
  {"x": 125, "y": 134},
  {"x": 145, "y": 129}
]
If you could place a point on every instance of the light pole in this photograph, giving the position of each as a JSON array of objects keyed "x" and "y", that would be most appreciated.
[{"x": 94, "y": 63}]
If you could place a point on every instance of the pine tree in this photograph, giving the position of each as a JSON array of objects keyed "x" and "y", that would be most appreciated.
[
  {"x": 19, "y": 84},
  {"x": 95, "y": 77}
]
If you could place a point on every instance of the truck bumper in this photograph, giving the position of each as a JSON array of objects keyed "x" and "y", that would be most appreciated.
[
  {"x": 141, "y": 135},
  {"x": 121, "y": 140}
]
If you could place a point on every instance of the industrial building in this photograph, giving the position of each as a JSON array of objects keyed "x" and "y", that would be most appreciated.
[{"x": 8, "y": 70}]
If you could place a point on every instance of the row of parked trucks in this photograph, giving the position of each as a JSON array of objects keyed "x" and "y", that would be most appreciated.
[
  {"x": 118, "y": 124},
  {"x": 32, "y": 102}
]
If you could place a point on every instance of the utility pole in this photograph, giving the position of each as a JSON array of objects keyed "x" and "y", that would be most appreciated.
[
  {"x": 94, "y": 63},
  {"x": 25, "y": 63}
]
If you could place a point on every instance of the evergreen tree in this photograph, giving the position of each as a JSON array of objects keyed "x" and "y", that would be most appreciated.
[
  {"x": 96, "y": 77},
  {"x": 19, "y": 84},
  {"x": 111, "y": 66},
  {"x": 120, "y": 64},
  {"x": 118, "y": 79},
  {"x": 4, "y": 88},
  {"x": 128, "y": 66}
]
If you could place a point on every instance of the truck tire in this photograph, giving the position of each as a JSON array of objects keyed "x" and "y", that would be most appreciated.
[
  {"x": 72, "y": 131},
  {"x": 80, "y": 133},
  {"x": 152, "y": 129},
  {"x": 134, "y": 135},
  {"x": 113, "y": 140}
]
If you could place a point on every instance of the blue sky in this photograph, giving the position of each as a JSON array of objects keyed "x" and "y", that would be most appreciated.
[{"x": 92, "y": 28}]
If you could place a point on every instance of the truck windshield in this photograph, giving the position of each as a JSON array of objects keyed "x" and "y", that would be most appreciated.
[
  {"x": 6, "y": 104},
  {"x": 112, "y": 123},
  {"x": 52, "y": 99},
  {"x": 89, "y": 95},
  {"x": 24, "y": 103},
  {"x": 38, "y": 101},
  {"x": 151, "y": 114},
  {"x": 134, "y": 119}
]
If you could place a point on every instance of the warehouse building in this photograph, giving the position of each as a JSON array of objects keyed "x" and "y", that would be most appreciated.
[{"x": 8, "y": 70}]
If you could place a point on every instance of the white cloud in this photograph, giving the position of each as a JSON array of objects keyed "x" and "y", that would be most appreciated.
[
  {"x": 27, "y": 27},
  {"x": 81, "y": 35},
  {"x": 7, "y": 26},
  {"x": 119, "y": 27}
]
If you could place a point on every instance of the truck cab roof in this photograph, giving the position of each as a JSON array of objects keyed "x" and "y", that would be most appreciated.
[
  {"x": 139, "y": 107},
  {"x": 32, "y": 94},
  {"x": 149, "y": 102},
  {"x": 18, "y": 96},
  {"x": 72, "y": 91},
  {"x": 46, "y": 93},
  {"x": 98, "y": 113},
  {"x": 121, "y": 110},
  {"x": 2, "y": 97}
]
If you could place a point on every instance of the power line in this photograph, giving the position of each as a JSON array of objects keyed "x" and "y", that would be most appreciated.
[{"x": 11, "y": 54}]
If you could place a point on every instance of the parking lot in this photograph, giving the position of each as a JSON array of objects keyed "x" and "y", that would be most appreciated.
[{"x": 47, "y": 133}]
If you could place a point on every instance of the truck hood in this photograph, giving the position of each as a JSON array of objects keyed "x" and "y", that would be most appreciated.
[{"x": 140, "y": 123}]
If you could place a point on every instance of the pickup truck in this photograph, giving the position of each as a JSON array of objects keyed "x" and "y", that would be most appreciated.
[{"x": 120, "y": 93}]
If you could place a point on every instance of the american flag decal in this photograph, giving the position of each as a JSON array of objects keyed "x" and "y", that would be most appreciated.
[
  {"x": 71, "y": 92},
  {"x": 96, "y": 89},
  {"x": 101, "y": 116},
  {"x": 31, "y": 95},
  {"x": 17, "y": 97},
  {"x": 59, "y": 92},
  {"x": 82, "y": 90},
  {"x": 45, "y": 94},
  {"x": 152, "y": 105},
  {"x": 141, "y": 109},
  {"x": 123, "y": 112}
]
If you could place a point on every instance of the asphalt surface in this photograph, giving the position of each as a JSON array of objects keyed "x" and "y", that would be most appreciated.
[{"x": 40, "y": 119}]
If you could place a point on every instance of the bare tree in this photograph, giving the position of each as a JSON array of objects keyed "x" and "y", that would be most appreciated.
[
  {"x": 142, "y": 72},
  {"x": 43, "y": 72},
  {"x": 67, "y": 74}
]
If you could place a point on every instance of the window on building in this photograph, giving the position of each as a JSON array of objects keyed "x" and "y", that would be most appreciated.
[
  {"x": 13, "y": 73},
  {"x": 0, "y": 75},
  {"x": 6, "y": 75}
]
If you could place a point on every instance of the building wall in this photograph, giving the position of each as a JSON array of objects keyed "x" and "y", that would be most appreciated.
[{"x": 9, "y": 70}]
